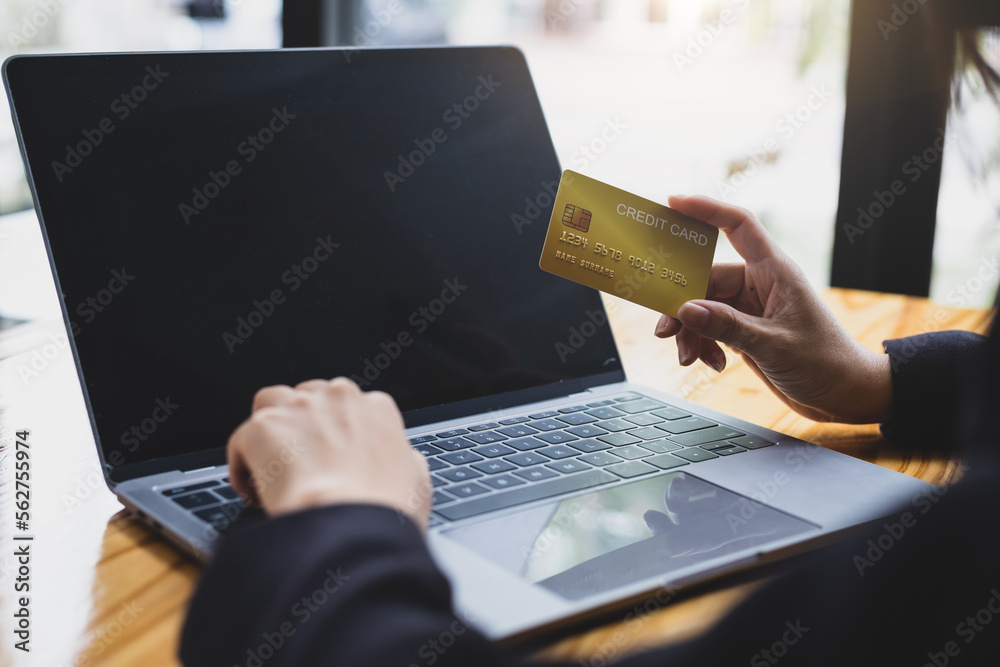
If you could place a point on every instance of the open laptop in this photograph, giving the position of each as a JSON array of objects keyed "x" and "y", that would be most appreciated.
[{"x": 218, "y": 222}]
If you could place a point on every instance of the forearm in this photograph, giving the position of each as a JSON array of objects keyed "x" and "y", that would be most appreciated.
[{"x": 346, "y": 585}]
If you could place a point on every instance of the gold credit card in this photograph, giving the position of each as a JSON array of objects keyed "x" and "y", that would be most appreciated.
[{"x": 628, "y": 246}]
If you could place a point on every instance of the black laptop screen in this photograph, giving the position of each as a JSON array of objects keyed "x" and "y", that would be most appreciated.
[{"x": 224, "y": 221}]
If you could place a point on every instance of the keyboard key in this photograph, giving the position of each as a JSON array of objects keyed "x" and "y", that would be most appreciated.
[
  {"x": 461, "y": 474},
  {"x": 536, "y": 474},
  {"x": 548, "y": 425},
  {"x": 428, "y": 450},
  {"x": 568, "y": 466},
  {"x": 631, "y": 468},
  {"x": 616, "y": 425},
  {"x": 503, "y": 481},
  {"x": 600, "y": 459},
  {"x": 728, "y": 451},
  {"x": 643, "y": 405},
  {"x": 558, "y": 452},
  {"x": 486, "y": 437},
  {"x": 600, "y": 404},
  {"x": 525, "y": 459},
  {"x": 685, "y": 425},
  {"x": 706, "y": 435},
  {"x": 484, "y": 427},
  {"x": 229, "y": 493},
  {"x": 492, "y": 451},
  {"x": 221, "y": 517},
  {"x": 529, "y": 493},
  {"x": 555, "y": 437},
  {"x": 177, "y": 490},
  {"x": 632, "y": 452},
  {"x": 665, "y": 461},
  {"x": 435, "y": 464},
  {"x": 588, "y": 431},
  {"x": 421, "y": 439},
  {"x": 605, "y": 413},
  {"x": 544, "y": 415},
  {"x": 461, "y": 457},
  {"x": 659, "y": 446},
  {"x": 452, "y": 444},
  {"x": 441, "y": 497},
  {"x": 619, "y": 439},
  {"x": 574, "y": 408},
  {"x": 438, "y": 481},
  {"x": 693, "y": 454},
  {"x": 646, "y": 433},
  {"x": 630, "y": 396},
  {"x": 197, "y": 499},
  {"x": 513, "y": 420},
  {"x": 643, "y": 419},
  {"x": 577, "y": 418},
  {"x": 590, "y": 445},
  {"x": 670, "y": 413},
  {"x": 493, "y": 467},
  {"x": 751, "y": 442},
  {"x": 524, "y": 444},
  {"x": 467, "y": 490},
  {"x": 517, "y": 431},
  {"x": 452, "y": 433}
]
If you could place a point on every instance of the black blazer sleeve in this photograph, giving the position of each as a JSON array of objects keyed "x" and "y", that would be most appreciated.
[{"x": 929, "y": 377}]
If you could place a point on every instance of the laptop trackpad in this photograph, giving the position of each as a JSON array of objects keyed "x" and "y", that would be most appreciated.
[{"x": 620, "y": 535}]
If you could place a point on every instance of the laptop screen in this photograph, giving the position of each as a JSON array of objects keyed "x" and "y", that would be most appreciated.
[{"x": 219, "y": 222}]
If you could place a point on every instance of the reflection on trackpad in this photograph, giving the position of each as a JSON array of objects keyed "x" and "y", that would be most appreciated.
[{"x": 598, "y": 541}]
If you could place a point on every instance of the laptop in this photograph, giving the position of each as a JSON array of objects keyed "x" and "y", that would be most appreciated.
[{"x": 222, "y": 221}]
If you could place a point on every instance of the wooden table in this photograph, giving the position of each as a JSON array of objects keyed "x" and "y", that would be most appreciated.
[{"x": 105, "y": 590}]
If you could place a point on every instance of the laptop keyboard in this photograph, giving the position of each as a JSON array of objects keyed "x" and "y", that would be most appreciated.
[
  {"x": 501, "y": 464},
  {"x": 520, "y": 459}
]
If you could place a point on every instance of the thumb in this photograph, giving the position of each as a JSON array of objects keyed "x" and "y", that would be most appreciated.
[{"x": 722, "y": 323}]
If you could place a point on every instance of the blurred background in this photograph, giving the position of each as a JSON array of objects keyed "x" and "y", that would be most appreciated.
[{"x": 743, "y": 100}]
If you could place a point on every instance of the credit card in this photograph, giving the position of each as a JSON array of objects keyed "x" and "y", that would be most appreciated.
[{"x": 626, "y": 245}]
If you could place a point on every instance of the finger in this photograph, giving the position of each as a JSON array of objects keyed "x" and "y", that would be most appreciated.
[
  {"x": 688, "y": 346},
  {"x": 720, "y": 322},
  {"x": 312, "y": 385},
  {"x": 667, "y": 327},
  {"x": 726, "y": 281},
  {"x": 271, "y": 396},
  {"x": 712, "y": 354},
  {"x": 747, "y": 235},
  {"x": 239, "y": 473}
]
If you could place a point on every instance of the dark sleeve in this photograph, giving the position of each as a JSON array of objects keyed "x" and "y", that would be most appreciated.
[
  {"x": 928, "y": 374},
  {"x": 341, "y": 585}
]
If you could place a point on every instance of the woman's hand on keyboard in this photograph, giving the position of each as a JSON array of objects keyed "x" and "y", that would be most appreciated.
[
  {"x": 326, "y": 442},
  {"x": 766, "y": 310}
]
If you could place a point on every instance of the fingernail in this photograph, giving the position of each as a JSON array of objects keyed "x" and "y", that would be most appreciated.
[
  {"x": 717, "y": 360},
  {"x": 661, "y": 327},
  {"x": 692, "y": 314},
  {"x": 683, "y": 356}
]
